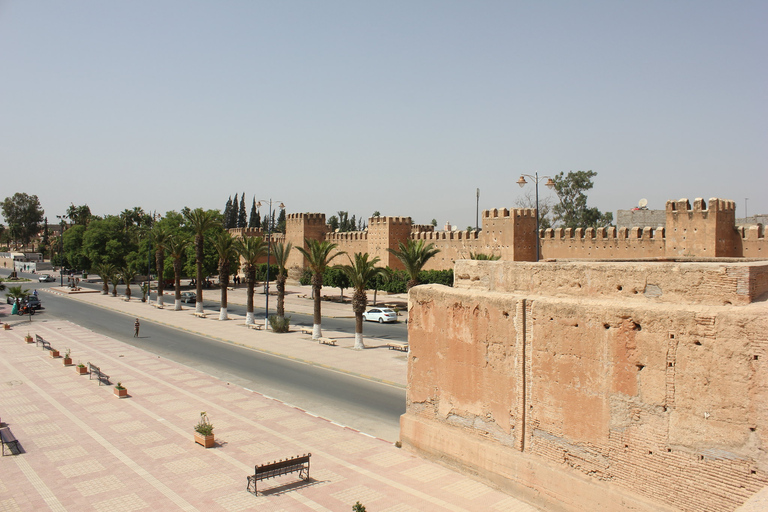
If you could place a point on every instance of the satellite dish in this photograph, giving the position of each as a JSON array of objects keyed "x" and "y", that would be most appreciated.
[{"x": 642, "y": 203}]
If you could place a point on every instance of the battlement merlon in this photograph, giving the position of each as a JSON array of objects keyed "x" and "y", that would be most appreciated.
[
  {"x": 389, "y": 220},
  {"x": 699, "y": 205},
  {"x": 496, "y": 213},
  {"x": 309, "y": 218}
]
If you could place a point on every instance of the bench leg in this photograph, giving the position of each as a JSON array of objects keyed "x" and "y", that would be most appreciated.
[{"x": 251, "y": 482}]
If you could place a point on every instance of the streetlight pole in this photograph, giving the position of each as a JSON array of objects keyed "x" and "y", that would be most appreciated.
[
  {"x": 270, "y": 223},
  {"x": 477, "y": 212},
  {"x": 550, "y": 184}
]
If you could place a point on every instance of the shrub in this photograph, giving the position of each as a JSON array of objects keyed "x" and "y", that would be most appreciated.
[
  {"x": 280, "y": 323},
  {"x": 204, "y": 426}
]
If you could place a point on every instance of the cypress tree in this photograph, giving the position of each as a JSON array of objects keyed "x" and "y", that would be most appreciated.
[
  {"x": 242, "y": 219},
  {"x": 227, "y": 212},
  {"x": 252, "y": 222}
]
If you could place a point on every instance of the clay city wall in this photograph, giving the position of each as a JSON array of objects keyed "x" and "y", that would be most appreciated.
[
  {"x": 698, "y": 230},
  {"x": 599, "y": 386}
]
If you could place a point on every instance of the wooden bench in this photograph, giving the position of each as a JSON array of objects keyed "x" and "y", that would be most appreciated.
[
  {"x": 40, "y": 341},
  {"x": 306, "y": 330},
  {"x": 95, "y": 370},
  {"x": 298, "y": 464},
  {"x": 9, "y": 439},
  {"x": 397, "y": 346},
  {"x": 327, "y": 341}
]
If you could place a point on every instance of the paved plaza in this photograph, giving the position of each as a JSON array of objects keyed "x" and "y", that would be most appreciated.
[{"x": 82, "y": 448}]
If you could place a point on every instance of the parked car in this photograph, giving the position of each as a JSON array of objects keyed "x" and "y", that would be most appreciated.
[
  {"x": 30, "y": 300},
  {"x": 188, "y": 297},
  {"x": 380, "y": 315},
  {"x": 46, "y": 278}
]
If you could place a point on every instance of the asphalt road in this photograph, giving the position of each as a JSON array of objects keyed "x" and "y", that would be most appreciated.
[{"x": 369, "y": 406}]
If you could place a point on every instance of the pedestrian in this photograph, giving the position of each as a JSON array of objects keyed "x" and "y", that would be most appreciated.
[{"x": 136, "y": 325}]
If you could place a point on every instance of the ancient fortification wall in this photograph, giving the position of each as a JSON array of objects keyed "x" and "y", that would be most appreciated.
[
  {"x": 698, "y": 231},
  {"x": 601, "y": 385}
]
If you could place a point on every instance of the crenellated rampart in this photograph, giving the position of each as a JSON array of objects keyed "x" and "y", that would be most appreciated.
[{"x": 693, "y": 230}]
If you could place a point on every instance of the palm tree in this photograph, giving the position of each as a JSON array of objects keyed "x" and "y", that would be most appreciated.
[
  {"x": 414, "y": 255},
  {"x": 318, "y": 257},
  {"x": 225, "y": 248},
  {"x": 160, "y": 235},
  {"x": 104, "y": 270},
  {"x": 200, "y": 221},
  {"x": 176, "y": 245},
  {"x": 17, "y": 293},
  {"x": 250, "y": 249},
  {"x": 281, "y": 258},
  {"x": 114, "y": 278},
  {"x": 127, "y": 274},
  {"x": 360, "y": 272}
]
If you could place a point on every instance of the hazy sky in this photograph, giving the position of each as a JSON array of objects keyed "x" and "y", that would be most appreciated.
[{"x": 405, "y": 107}]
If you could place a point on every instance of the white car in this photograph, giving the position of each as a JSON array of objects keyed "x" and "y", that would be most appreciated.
[
  {"x": 380, "y": 315},
  {"x": 46, "y": 278}
]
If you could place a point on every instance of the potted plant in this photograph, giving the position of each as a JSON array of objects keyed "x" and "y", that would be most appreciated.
[
  {"x": 67, "y": 359},
  {"x": 81, "y": 369},
  {"x": 7, "y": 327},
  {"x": 29, "y": 339},
  {"x": 54, "y": 353},
  {"x": 204, "y": 431},
  {"x": 120, "y": 390}
]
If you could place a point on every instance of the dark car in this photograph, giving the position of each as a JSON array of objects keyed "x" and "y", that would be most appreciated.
[
  {"x": 33, "y": 301},
  {"x": 187, "y": 297}
]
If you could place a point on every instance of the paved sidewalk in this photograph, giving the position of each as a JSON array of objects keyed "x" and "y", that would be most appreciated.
[{"x": 84, "y": 449}]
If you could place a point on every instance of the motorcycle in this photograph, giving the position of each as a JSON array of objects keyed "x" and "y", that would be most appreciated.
[{"x": 26, "y": 310}]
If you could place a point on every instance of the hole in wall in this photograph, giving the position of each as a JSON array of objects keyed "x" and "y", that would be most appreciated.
[
  {"x": 640, "y": 366},
  {"x": 669, "y": 365},
  {"x": 752, "y": 429},
  {"x": 650, "y": 452},
  {"x": 606, "y": 326},
  {"x": 619, "y": 287},
  {"x": 671, "y": 336},
  {"x": 636, "y": 326},
  {"x": 752, "y": 472},
  {"x": 697, "y": 342},
  {"x": 756, "y": 357},
  {"x": 506, "y": 314},
  {"x": 669, "y": 450}
]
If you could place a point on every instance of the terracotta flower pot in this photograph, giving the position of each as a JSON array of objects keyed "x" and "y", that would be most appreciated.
[
  {"x": 206, "y": 441},
  {"x": 29, "y": 339},
  {"x": 54, "y": 353},
  {"x": 81, "y": 370},
  {"x": 120, "y": 393},
  {"x": 7, "y": 327},
  {"x": 67, "y": 361}
]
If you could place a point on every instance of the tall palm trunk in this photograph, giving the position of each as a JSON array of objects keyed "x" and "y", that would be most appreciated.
[
  {"x": 177, "y": 284},
  {"x": 199, "y": 268},
  {"x": 160, "y": 262},
  {"x": 250, "y": 279},
  {"x": 224, "y": 284},
  {"x": 280, "y": 285},
  {"x": 359, "y": 303},
  {"x": 317, "y": 285}
]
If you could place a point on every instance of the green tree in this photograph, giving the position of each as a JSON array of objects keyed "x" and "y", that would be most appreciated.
[
  {"x": 104, "y": 271},
  {"x": 254, "y": 221},
  {"x": 334, "y": 277},
  {"x": 281, "y": 251},
  {"x": 361, "y": 272},
  {"x": 414, "y": 255},
  {"x": 572, "y": 210},
  {"x": 224, "y": 245},
  {"x": 79, "y": 215},
  {"x": 23, "y": 214},
  {"x": 72, "y": 242},
  {"x": 200, "y": 221},
  {"x": 318, "y": 255},
  {"x": 333, "y": 223},
  {"x": 250, "y": 249},
  {"x": 17, "y": 293},
  {"x": 127, "y": 273},
  {"x": 228, "y": 214},
  {"x": 241, "y": 214},
  {"x": 177, "y": 245}
]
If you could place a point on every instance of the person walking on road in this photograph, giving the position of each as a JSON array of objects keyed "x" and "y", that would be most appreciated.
[{"x": 136, "y": 325}]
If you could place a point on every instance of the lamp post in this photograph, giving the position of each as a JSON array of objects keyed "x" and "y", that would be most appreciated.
[
  {"x": 477, "y": 212},
  {"x": 270, "y": 223},
  {"x": 550, "y": 184}
]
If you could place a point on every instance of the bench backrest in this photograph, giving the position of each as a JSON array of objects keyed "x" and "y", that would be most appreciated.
[
  {"x": 92, "y": 367},
  {"x": 282, "y": 467},
  {"x": 38, "y": 338}
]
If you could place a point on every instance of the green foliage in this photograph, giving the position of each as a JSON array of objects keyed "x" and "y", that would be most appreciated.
[
  {"x": 17, "y": 292},
  {"x": 483, "y": 256},
  {"x": 335, "y": 277},
  {"x": 280, "y": 323},
  {"x": 261, "y": 272},
  {"x": 572, "y": 210},
  {"x": 73, "y": 247},
  {"x": 23, "y": 214},
  {"x": 306, "y": 277},
  {"x": 414, "y": 255},
  {"x": 204, "y": 426},
  {"x": 79, "y": 215},
  {"x": 358, "y": 507}
]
